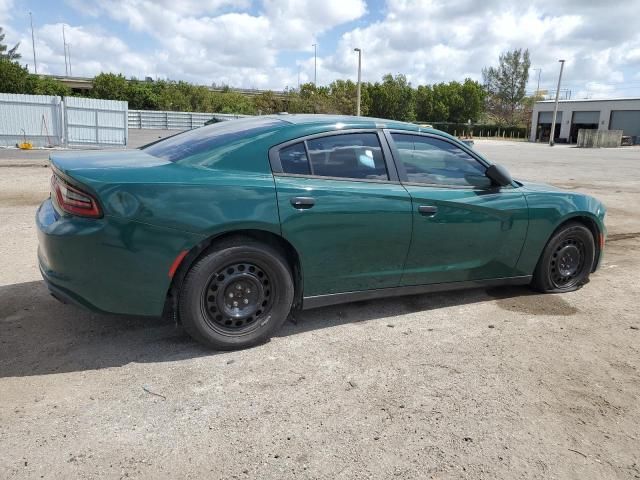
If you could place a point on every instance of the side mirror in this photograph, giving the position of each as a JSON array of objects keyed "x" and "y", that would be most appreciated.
[{"x": 499, "y": 175}]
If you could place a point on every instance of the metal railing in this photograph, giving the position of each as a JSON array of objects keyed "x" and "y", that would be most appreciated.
[{"x": 167, "y": 120}]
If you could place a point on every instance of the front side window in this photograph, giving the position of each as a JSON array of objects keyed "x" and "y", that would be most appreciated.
[
  {"x": 351, "y": 155},
  {"x": 438, "y": 162}
]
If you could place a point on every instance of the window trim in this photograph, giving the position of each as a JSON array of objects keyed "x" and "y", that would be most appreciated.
[
  {"x": 402, "y": 173},
  {"x": 387, "y": 156}
]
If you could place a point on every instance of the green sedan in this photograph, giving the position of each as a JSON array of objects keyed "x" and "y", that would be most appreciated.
[{"x": 229, "y": 227}]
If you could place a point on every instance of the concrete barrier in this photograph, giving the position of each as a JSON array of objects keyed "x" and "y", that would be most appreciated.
[{"x": 591, "y": 138}]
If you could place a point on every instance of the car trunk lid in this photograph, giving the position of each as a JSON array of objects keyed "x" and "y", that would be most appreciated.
[{"x": 86, "y": 160}]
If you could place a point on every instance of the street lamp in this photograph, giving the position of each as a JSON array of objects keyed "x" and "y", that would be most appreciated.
[
  {"x": 33, "y": 44},
  {"x": 555, "y": 109},
  {"x": 359, "y": 77},
  {"x": 315, "y": 64}
]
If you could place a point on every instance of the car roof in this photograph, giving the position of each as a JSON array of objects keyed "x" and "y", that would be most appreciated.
[{"x": 347, "y": 121}]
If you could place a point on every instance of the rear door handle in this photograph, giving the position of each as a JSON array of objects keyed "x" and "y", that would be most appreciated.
[
  {"x": 303, "y": 203},
  {"x": 427, "y": 210}
]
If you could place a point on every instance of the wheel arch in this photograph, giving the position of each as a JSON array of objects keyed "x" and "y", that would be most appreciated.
[
  {"x": 589, "y": 221},
  {"x": 262, "y": 236}
]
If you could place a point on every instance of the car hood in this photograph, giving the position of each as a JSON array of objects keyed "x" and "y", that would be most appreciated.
[{"x": 539, "y": 187}]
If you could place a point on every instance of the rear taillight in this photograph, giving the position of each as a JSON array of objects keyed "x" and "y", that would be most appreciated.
[{"x": 73, "y": 200}]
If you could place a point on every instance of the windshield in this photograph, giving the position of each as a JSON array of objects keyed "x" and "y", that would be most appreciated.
[{"x": 200, "y": 141}]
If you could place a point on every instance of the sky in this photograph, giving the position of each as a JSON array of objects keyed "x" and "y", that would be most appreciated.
[{"x": 268, "y": 44}]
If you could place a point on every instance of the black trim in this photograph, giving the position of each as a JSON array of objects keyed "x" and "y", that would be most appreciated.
[
  {"x": 342, "y": 179},
  {"x": 68, "y": 298},
  {"x": 346, "y": 297}
]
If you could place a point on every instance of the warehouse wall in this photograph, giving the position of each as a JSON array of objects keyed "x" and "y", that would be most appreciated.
[{"x": 567, "y": 107}]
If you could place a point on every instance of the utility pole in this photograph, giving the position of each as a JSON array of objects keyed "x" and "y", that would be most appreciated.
[
  {"x": 298, "y": 77},
  {"x": 33, "y": 43},
  {"x": 64, "y": 47},
  {"x": 359, "y": 78},
  {"x": 538, "y": 87},
  {"x": 315, "y": 64},
  {"x": 555, "y": 109},
  {"x": 69, "y": 56}
]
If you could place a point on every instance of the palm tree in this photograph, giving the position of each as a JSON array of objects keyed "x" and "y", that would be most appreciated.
[{"x": 12, "y": 53}]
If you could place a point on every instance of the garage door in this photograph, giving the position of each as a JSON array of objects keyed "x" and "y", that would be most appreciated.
[
  {"x": 626, "y": 120},
  {"x": 586, "y": 117},
  {"x": 547, "y": 117}
]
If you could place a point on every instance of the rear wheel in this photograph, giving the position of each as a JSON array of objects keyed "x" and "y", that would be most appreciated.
[
  {"x": 566, "y": 261},
  {"x": 237, "y": 295}
]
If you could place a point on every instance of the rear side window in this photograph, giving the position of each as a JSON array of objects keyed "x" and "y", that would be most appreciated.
[
  {"x": 294, "y": 159},
  {"x": 438, "y": 162},
  {"x": 351, "y": 155}
]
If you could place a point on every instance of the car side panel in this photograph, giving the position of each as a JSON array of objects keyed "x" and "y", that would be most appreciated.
[
  {"x": 355, "y": 237},
  {"x": 475, "y": 234},
  {"x": 547, "y": 211},
  {"x": 110, "y": 264},
  {"x": 200, "y": 201}
]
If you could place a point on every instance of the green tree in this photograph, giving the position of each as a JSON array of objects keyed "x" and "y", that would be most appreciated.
[
  {"x": 48, "y": 86},
  {"x": 5, "y": 51},
  {"x": 141, "y": 95},
  {"x": 266, "y": 103},
  {"x": 393, "y": 98},
  {"x": 473, "y": 97},
  {"x": 109, "y": 86},
  {"x": 506, "y": 86},
  {"x": 14, "y": 78}
]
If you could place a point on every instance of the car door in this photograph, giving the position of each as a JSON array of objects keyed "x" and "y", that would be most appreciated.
[
  {"x": 344, "y": 211},
  {"x": 464, "y": 227}
]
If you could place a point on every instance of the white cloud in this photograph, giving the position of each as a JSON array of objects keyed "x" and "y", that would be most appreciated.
[
  {"x": 6, "y": 6},
  {"x": 436, "y": 40},
  {"x": 243, "y": 42}
]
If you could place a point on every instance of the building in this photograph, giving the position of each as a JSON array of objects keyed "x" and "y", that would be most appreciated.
[{"x": 612, "y": 114}]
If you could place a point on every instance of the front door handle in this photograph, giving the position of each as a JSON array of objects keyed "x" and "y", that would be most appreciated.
[
  {"x": 303, "y": 203},
  {"x": 427, "y": 210}
]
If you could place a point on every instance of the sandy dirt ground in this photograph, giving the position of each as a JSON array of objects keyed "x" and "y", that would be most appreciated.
[{"x": 481, "y": 384}]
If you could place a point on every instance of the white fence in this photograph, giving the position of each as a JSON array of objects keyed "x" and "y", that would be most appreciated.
[
  {"x": 166, "y": 120},
  {"x": 48, "y": 121},
  {"x": 36, "y": 118},
  {"x": 95, "y": 122}
]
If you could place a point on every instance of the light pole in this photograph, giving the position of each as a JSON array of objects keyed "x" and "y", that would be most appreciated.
[
  {"x": 64, "y": 47},
  {"x": 555, "y": 109},
  {"x": 69, "y": 55},
  {"x": 359, "y": 78},
  {"x": 33, "y": 43},
  {"x": 538, "y": 87},
  {"x": 315, "y": 64}
]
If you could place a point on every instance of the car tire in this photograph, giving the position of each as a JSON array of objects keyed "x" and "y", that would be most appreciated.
[
  {"x": 237, "y": 295},
  {"x": 567, "y": 260}
]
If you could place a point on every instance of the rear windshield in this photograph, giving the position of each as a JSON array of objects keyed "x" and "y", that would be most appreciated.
[{"x": 199, "y": 141}]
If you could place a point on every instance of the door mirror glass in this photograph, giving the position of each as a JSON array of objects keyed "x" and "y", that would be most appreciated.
[{"x": 499, "y": 175}]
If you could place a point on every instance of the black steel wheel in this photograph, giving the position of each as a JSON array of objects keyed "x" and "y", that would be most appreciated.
[
  {"x": 566, "y": 261},
  {"x": 237, "y": 295}
]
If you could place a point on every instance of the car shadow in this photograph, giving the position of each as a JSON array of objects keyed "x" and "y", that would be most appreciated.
[
  {"x": 392, "y": 307},
  {"x": 40, "y": 336}
]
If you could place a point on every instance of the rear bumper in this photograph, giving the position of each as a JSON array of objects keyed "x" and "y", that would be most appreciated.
[
  {"x": 109, "y": 265},
  {"x": 67, "y": 297}
]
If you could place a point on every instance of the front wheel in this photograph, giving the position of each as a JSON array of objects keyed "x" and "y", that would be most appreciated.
[
  {"x": 237, "y": 295},
  {"x": 566, "y": 261}
]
